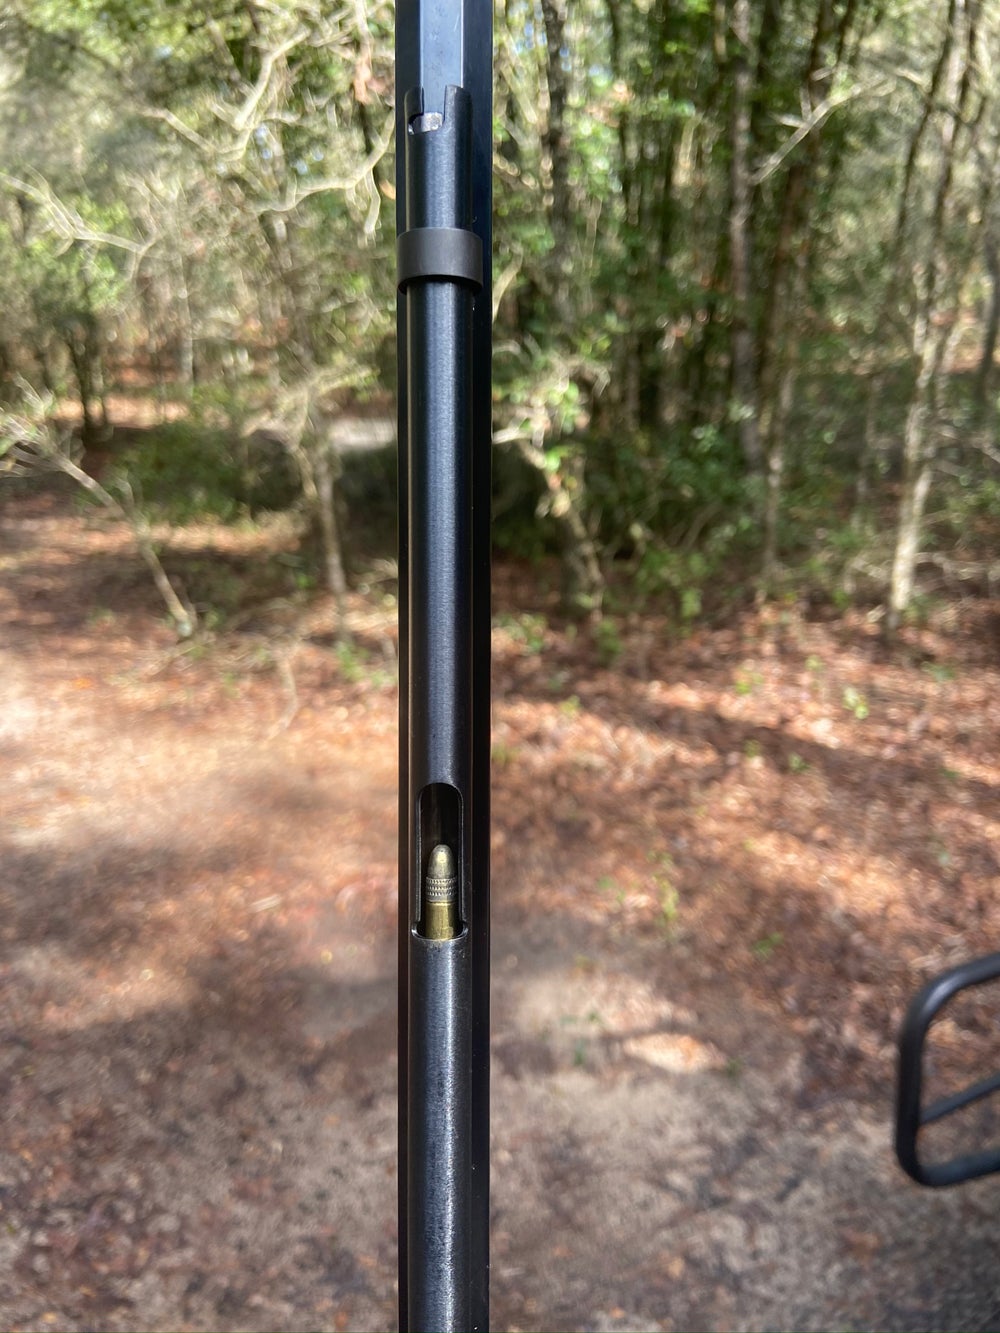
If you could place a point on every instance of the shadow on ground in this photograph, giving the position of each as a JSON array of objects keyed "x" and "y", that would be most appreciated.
[{"x": 692, "y": 1032}]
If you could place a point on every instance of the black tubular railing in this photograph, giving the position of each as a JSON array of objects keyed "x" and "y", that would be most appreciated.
[
  {"x": 911, "y": 1115},
  {"x": 444, "y": 318}
]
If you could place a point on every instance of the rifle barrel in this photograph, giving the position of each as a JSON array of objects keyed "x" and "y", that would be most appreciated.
[{"x": 444, "y": 317}]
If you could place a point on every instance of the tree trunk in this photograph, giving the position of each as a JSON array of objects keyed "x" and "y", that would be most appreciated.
[
  {"x": 80, "y": 361},
  {"x": 984, "y": 374},
  {"x": 918, "y": 466},
  {"x": 936, "y": 291},
  {"x": 41, "y": 354},
  {"x": 185, "y": 333},
  {"x": 869, "y": 449},
  {"x": 333, "y": 559},
  {"x": 585, "y": 583},
  {"x": 585, "y": 590},
  {"x": 776, "y": 459},
  {"x": 317, "y": 466},
  {"x": 555, "y": 161},
  {"x": 744, "y": 371},
  {"x": 778, "y": 350}
]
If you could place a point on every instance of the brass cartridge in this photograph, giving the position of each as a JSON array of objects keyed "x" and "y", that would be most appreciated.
[{"x": 440, "y": 896}]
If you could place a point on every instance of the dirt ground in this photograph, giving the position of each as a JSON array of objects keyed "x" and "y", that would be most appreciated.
[{"x": 722, "y": 862}]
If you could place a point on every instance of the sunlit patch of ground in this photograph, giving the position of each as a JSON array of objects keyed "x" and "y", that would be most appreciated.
[{"x": 721, "y": 865}]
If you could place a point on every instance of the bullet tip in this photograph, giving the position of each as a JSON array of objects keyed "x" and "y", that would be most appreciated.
[{"x": 442, "y": 862}]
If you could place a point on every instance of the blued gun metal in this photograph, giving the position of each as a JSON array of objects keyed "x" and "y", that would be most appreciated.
[{"x": 444, "y": 316}]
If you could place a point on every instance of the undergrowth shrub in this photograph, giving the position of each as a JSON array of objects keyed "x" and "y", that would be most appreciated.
[{"x": 185, "y": 470}]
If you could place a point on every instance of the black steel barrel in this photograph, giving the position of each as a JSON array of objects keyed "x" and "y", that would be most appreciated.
[{"x": 444, "y": 318}]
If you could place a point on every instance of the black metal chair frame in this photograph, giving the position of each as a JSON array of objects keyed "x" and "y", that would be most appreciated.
[{"x": 911, "y": 1116}]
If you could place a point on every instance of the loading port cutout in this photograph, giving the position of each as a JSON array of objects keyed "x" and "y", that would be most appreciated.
[{"x": 439, "y": 861}]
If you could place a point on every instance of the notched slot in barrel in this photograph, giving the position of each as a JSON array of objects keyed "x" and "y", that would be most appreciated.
[
  {"x": 437, "y": 912},
  {"x": 425, "y": 123}
]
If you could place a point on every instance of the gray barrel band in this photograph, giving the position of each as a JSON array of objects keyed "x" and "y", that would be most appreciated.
[{"x": 439, "y": 252}]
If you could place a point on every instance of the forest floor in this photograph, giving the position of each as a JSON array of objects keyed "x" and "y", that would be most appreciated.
[{"x": 722, "y": 862}]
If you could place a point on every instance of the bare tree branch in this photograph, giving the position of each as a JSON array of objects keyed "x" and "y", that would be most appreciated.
[
  {"x": 64, "y": 219},
  {"x": 296, "y": 192},
  {"x": 30, "y": 443},
  {"x": 821, "y": 112}
]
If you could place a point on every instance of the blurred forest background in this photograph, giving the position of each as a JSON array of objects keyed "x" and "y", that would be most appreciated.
[{"x": 747, "y": 282}]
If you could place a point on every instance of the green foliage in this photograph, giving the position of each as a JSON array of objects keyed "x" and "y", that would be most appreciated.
[
  {"x": 682, "y": 508},
  {"x": 855, "y": 702},
  {"x": 351, "y": 662},
  {"x": 183, "y": 472},
  {"x": 683, "y": 487},
  {"x": 747, "y": 681},
  {"x": 206, "y": 205},
  {"x": 367, "y": 490},
  {"x": 503, "y": 755},
  {"x": 940, "y": 672},
  {"x": 969, "y": 509},
  {"x": 764, "y": 948},
  {"x": 609, "y": 641},
  {"x": 357, "y": 664},
  {"x": 527, "y": 628},
  {"x": 667, "y": 893}
]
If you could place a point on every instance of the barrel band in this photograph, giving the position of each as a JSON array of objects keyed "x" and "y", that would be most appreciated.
[{"x": 439, "y": 253}]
